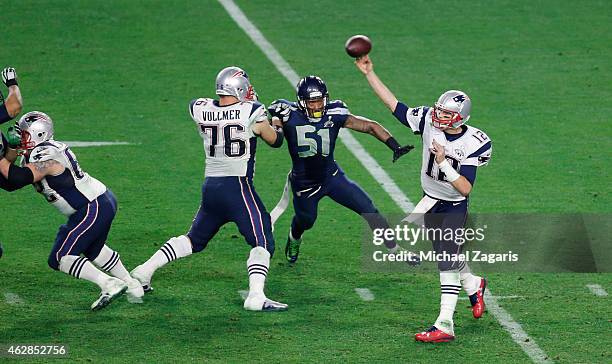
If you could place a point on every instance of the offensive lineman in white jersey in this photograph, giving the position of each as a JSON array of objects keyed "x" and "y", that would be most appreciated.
[
  {"x": 90, "y": 207},
  {"x": 229, "y": 127},
  {"x": 452, "y": 152}
]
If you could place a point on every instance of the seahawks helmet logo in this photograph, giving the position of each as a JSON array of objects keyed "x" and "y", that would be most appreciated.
[{"x": 459, "y": 98}]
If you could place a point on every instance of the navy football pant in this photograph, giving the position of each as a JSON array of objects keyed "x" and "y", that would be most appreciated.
[
  {"x": 231, "y": 199},
  {"x": 447, "y": 215},
  {"x": 340, "y": 189},
  {"x": 86, "y": 230}
]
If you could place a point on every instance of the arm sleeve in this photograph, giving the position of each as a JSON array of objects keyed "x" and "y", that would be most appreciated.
[
  {"x": 480, "y": 157},
  {"x": 19, "y": 177},
  {"x": 469, "y": 172},
  {"x": 6, "y": 185},
  {"x": 414, "y": 118}
]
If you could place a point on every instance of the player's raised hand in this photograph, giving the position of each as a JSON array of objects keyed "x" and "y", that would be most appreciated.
[
  {"x": 399, "y": 152},
  {"x": 9, "y": 76},
  {"x": 280, "y": 110},
  {"x": 13, "y": 136},
  {"x": 364, "y": 64}
]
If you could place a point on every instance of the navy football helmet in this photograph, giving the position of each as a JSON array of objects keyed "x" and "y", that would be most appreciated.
[{"x": 312, "y": 88}]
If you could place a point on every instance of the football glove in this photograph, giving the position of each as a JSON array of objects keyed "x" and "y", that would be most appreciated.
[
  {"x": 9, "y": 76},
  {"x": 280, "y": 110},
  {"x": 398, "y": 153},
  {"x": 13, "y": 136}
]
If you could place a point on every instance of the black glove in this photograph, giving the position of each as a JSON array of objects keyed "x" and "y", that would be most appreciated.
[
  {"x": 398, "y": 151},
  {"x": 9, "y": 76},
  {"x": 280, "y": 110}
]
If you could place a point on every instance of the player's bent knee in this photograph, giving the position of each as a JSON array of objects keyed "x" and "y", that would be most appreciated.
[
  {"x": 448, "y": 266},
  {"x": 198, "y": 243},
  {"x": 52, "y": 261}
]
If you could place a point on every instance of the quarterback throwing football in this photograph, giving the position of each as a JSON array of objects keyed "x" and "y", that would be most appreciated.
[{"x": 452, "y": 152}]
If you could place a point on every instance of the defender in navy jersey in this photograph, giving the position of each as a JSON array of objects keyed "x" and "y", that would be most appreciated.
[
  {"x": 10, "y": 108},
  {"x": 452, "y": 152},
  {"x": 54, "y": 171},
  {"x": 311, "y": 127},
  {"x": 229, "y": 128}
]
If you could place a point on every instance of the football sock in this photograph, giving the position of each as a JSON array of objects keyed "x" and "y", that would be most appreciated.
[
  {"x": 109, "y": 261},
  {"x": 450, "y": 287},
  {"x": 175, "y": 248},
  {"x": 81, "y": 267},
  {"x": 470, "y": 282},
  {"x": 296, "y": 230},
  {"x": 257, "y": 267}
]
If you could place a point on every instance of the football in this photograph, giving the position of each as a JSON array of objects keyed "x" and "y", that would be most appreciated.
[{"x": 358, "y": 46}]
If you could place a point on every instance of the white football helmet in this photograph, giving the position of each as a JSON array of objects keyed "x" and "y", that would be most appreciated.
[
  {"x": 36, "y": 127},
  {"x": 455, "y": 102},
  {"x": 233, "y": 81}
]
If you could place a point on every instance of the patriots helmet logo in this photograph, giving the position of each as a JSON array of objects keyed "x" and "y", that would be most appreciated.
[{"x": 459, "y": 98}]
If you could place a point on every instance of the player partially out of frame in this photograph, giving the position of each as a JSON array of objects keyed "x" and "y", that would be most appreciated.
[
  {"x": 9, "y": 108},
  {"x": 229, "y": 127},
  {"x": 452, "y": 152},
  {"x": 80, "y": 244}
]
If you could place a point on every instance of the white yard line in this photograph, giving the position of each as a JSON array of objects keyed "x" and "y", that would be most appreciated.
[
  {"x": 74, "y": 144},
  {"x": 365, "y": 294},
  {"x": 519, "y": 336},
  {"x": 597, "y": 290},
  {"x": 13, "y": 299}
]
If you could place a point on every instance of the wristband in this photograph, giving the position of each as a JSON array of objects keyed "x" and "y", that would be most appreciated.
[
  {"x": 11, "y": 82},
  {"x": 280, "y": 136},
  {"x": 449, "y": 172}
]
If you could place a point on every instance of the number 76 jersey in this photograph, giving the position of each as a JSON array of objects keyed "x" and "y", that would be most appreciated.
[
  {"x": 471, "y": 148},
  {"x": 229, "y": 141}
]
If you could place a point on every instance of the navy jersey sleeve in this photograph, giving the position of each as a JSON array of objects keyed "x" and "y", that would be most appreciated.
[
  {"x": 469, "y": 172},
  {"x": 339, "y": 111},
  {"x": 414, "y": 118}
]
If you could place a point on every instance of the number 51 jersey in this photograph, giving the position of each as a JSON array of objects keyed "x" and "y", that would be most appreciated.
[
  {"x": 229, "y": 142},
  {"x": 471, "y": 147}
]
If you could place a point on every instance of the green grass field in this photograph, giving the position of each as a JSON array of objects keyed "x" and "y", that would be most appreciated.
[{"x": 538, "y": 74}]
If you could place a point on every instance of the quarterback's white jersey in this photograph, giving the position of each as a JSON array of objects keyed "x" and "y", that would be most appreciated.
[
  {"x": 229, "y": 141},
  {"x": 471, "y": 148},
  {"x": 72, "y": 189}
]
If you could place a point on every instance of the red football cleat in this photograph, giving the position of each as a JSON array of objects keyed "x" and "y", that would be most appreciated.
[
  {"x": 477, "y": 299},
  {"x": 433, "y": 335}
]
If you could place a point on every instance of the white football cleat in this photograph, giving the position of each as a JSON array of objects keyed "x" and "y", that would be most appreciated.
[
  {"x": 134, "y": 292},
  {"x": 143, "y": 277},
  {"x": 262, "y": 303},
  {"x": 113, "y": 288}
]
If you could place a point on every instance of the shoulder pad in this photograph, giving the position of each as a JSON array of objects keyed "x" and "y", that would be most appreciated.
[
  {"x": 199, "y": 102},
  {"x": 46, "y": 151},
  {"x": 337, "y": 107}
]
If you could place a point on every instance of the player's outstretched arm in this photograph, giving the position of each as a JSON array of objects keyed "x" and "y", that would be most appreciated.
[
  {"x": 14, "y": 102},
  {"x": 364, "y": 125},
  {"x": 19, "y": 177},
  {"x": 365, "y": 65},
  {"x": 270, "y": 133},
  {"x": 459, "y": 182}
]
